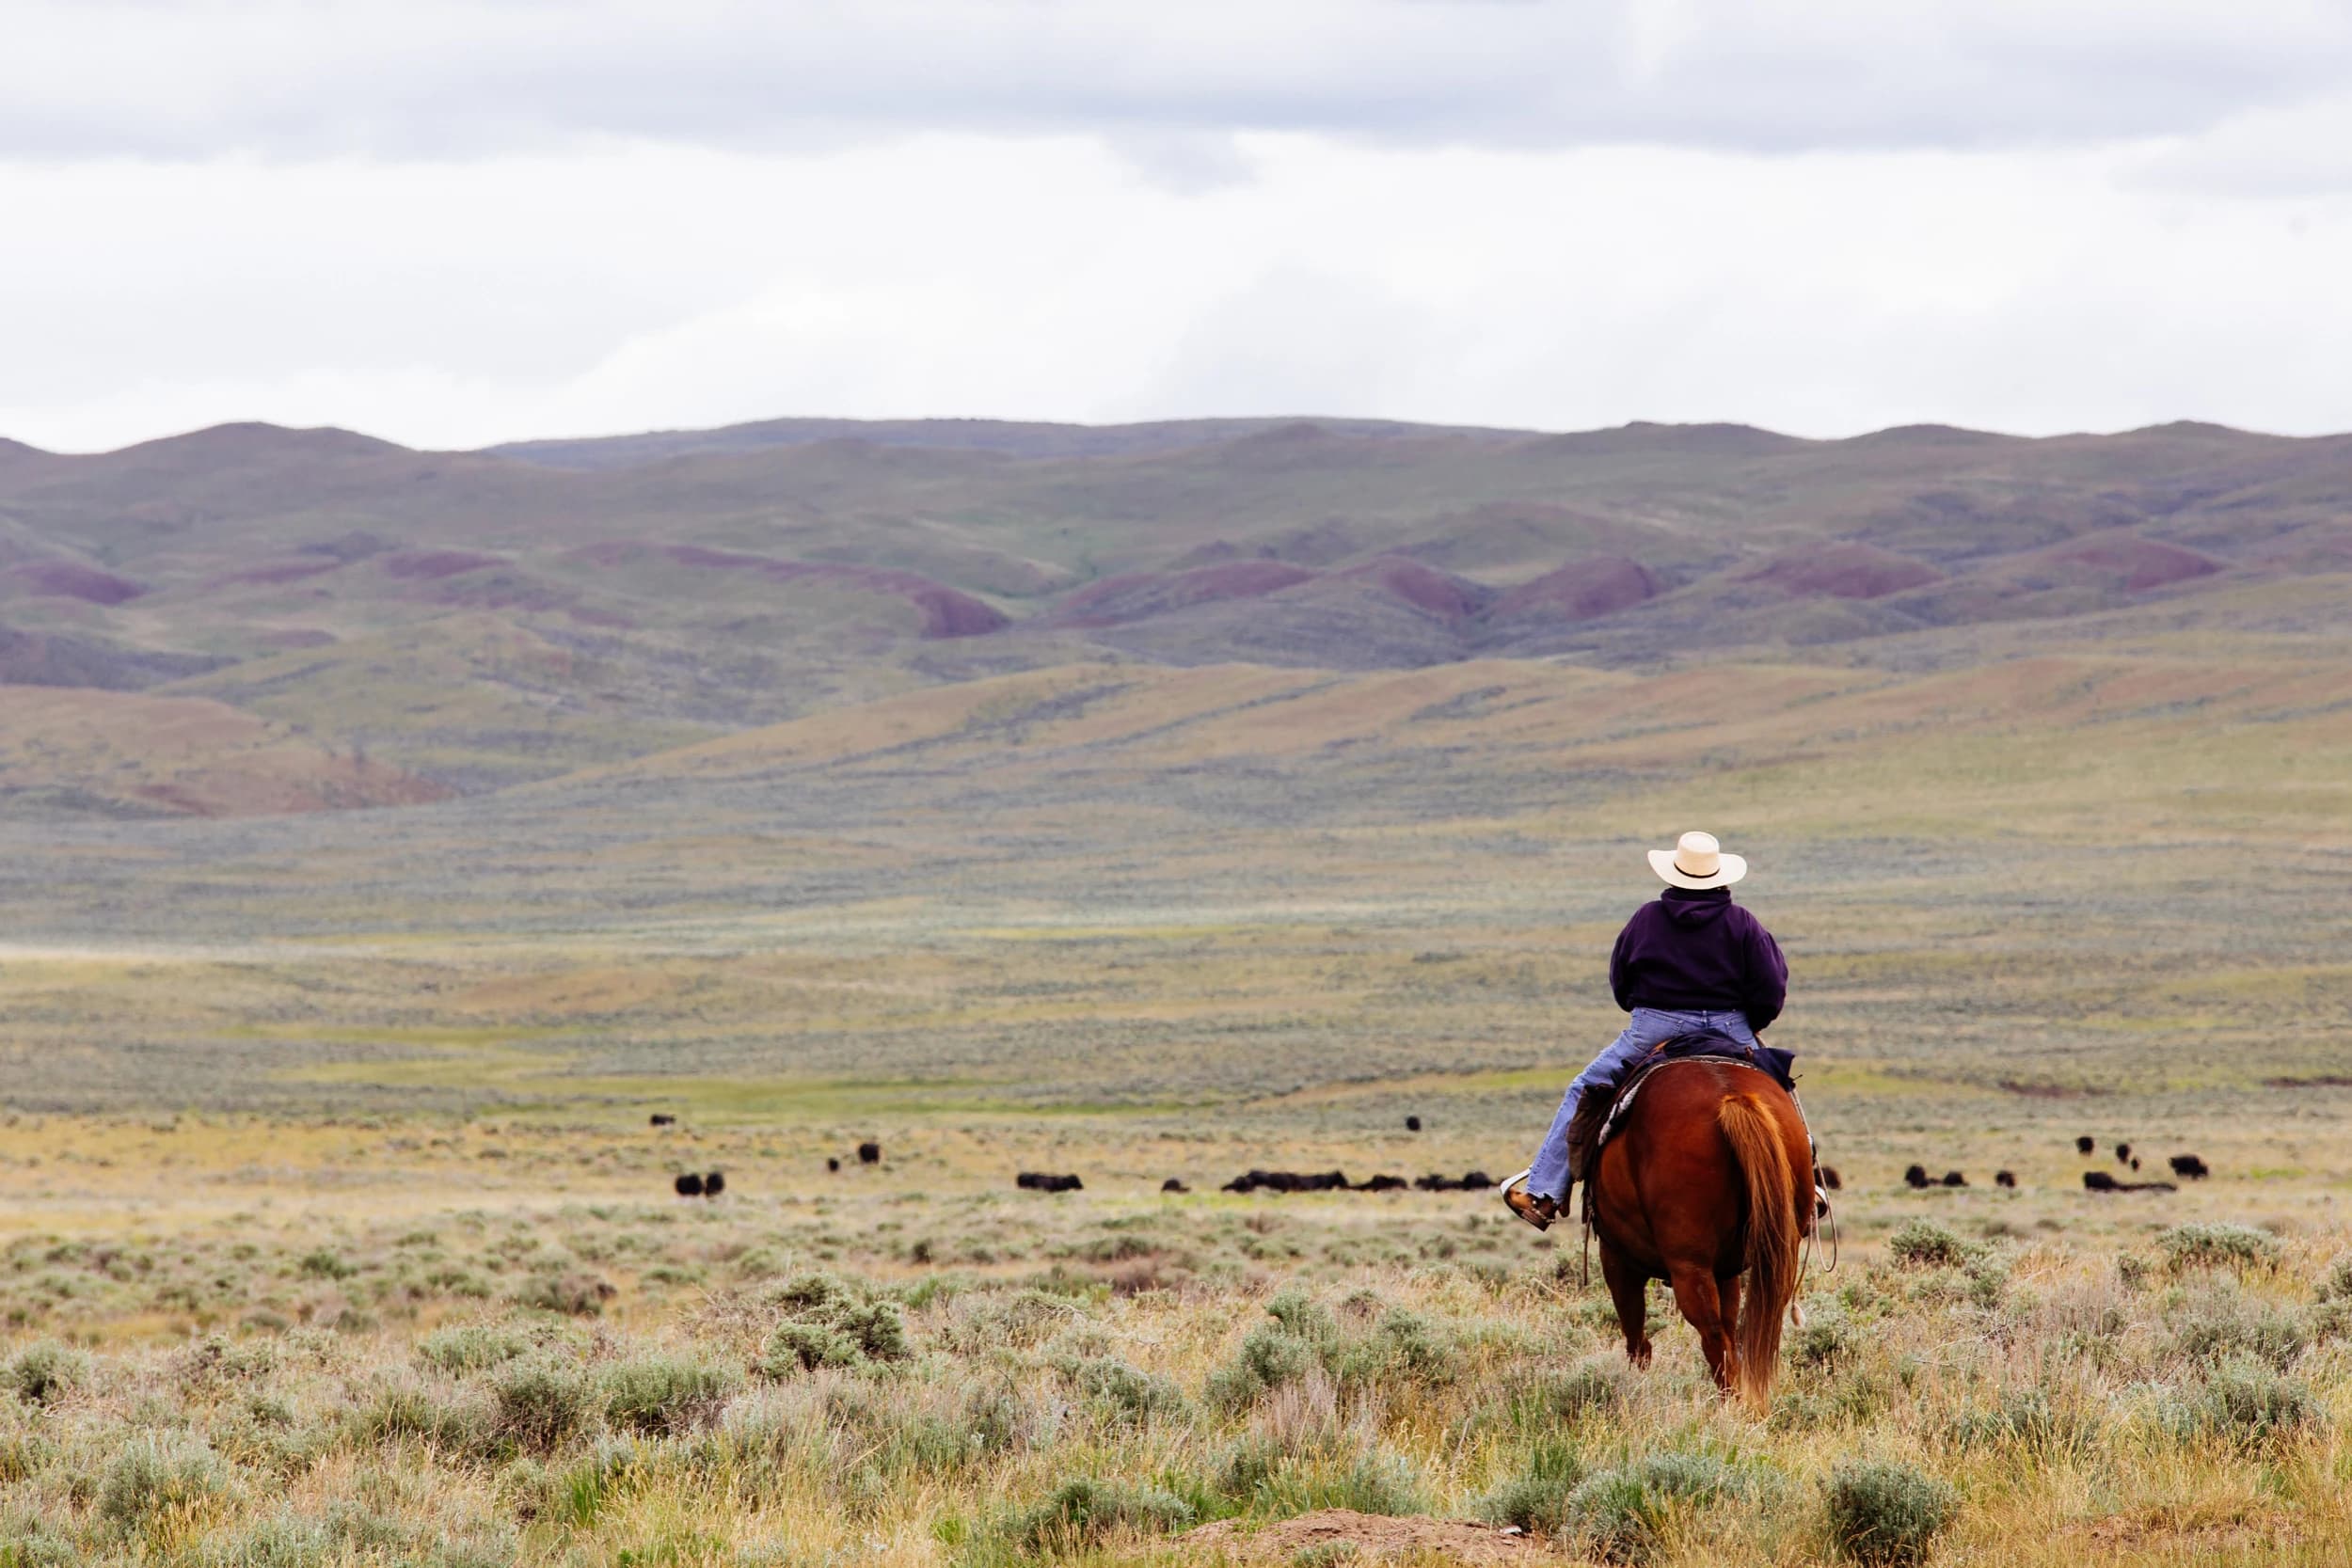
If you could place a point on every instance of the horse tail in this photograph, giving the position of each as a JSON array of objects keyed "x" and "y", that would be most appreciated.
[{"x": 1773, "y": 1239}]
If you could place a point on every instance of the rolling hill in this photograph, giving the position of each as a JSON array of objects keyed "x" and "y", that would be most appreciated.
[{"x": 478, "y": 619}]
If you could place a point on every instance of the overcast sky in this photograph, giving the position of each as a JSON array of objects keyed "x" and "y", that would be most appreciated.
[{"x": 458, "y": 223}]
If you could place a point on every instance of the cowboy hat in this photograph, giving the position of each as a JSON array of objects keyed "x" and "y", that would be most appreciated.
[{"x": 1697, "y": 860}]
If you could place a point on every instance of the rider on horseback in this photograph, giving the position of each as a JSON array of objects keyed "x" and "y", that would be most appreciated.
[{"x": 1693, "y": 962}]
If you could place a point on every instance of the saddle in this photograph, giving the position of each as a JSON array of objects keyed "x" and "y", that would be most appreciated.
[{"x": 1600, "y": 1116}]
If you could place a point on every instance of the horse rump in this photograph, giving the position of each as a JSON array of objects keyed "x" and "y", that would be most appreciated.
[{"x": 1774, "y": 1240}]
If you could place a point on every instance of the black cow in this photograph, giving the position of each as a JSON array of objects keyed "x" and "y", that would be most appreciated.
[
  {"x": 1045, "y": 1181},
  {"x": 2123, "y": 1154},
  {"x": 833, "y": 1162},
  {"x": 1477, "y": 1181},
  {"x": 1915, "y": 1177},
  {"x": 689, "y": 1185},
  {"x": 869, "y": 1154},
  {"x": 1828, "y": 1178},
  {"x": 2005, "y": 1178},
  {"x": 2100, "y": 1181},
  {"x": 2135, "y": 1161},
  {"x": 715, "y": 1184},
  {"x": 2085, "y": 1145},
  {"x": 1412, "y": 1124},
  {"x": 1288, "y": 1181},
  {"x": 661, "y": 1119},
  {"x": 2190, "y": 1167},
  {"x": 1954, "y": 1179},
  {"x": 1383, "y": 1184},
  {"x": 1174, "y": 1184}
]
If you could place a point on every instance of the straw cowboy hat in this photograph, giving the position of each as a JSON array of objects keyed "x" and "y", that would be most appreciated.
[{"x": 1697, "y": 860}]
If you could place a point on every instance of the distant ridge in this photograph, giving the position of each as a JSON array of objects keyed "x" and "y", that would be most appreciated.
[
  {"x": 1011, "y": 437},
  {"x": 481, "y": 619}
]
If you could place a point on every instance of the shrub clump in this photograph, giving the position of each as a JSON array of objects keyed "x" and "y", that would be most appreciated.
[
  {"x": 2215, "y": 1329},
  {"x": 1885, "y": 1513},
  {"x": 829, "y": 1322},
  {"x": 2336, "y": 1284},
  {"x": 2026, "y": 1418},
  {"x": 399, "y": 1410},
  {"x": 325, "y": 1264},
  {"x": 2243, "y": 1403},
  {"x": 567, "y": 1292},
  {"x": 1402, "y": 1345},
  {"x": 1828, "y": 1338},
  {"x": 1556, "y": 1398},
  {"x": 43, "y": 1373},
  {"x": 539, "y": 1401},
  {"x": 1406, "y": 1345},
  {"x": 2211, "y": 1246},
  {"x": 1537, "y": 1498},
  {"x": 1083, "y": 1511},
  {"x": 1622, "y": 1512},
  {"x": 1269, "y": 1357},
  {"x": 1925, "y": 1244},
  {"x": 664, "y": 1395},
  {"x": 471, "y": 1347},
  {"x": 1365, "y": 1481},
  {"x": 1123, "y": 1391},
  {"x": 151, "y": 1474}
]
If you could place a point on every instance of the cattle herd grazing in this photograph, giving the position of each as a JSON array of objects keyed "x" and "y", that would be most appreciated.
[
  {"x": 1337, "y": 1181},
  {"x": 2188, "y": 1168},
  {"x": 712, "y": 1183}
]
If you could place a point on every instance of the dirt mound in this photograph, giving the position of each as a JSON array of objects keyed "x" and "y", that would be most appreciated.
[
  {"x": 1135, "y": 596},
  {"x": 68, "y": 579},
  {"x": 1580, "y": 590},
  {"x": 2137, "y": 563},
  {"x": 1426, "y": 588},
  {"x": 1846, "y": 569},
  {"x": 948, "y": 613},
  {"x": 1370, "y": 1535}
]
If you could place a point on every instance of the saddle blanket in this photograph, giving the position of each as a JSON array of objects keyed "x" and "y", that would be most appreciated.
[{"x": 1696, "y": 1048}]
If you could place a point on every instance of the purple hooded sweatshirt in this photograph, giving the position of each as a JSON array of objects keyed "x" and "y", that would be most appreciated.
[{"x": 1698, "y": 951}]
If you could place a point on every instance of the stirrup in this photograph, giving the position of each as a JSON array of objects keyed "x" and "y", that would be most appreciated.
[{"x": 1517, "y": 1184}]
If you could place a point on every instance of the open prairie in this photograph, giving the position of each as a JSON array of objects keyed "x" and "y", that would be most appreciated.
[{"x": 334, "y": 1228}]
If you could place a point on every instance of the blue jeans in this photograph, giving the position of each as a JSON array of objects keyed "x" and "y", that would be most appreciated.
[{"x": 1647, "y": 1027}]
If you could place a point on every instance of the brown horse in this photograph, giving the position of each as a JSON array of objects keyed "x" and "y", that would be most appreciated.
[{"x": 1709, "y": 1178}]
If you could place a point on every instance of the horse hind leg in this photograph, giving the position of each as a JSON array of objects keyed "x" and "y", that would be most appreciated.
[
  {"x": 1702, "y": 1307},
  {"x": 1628, "y": 1288}
]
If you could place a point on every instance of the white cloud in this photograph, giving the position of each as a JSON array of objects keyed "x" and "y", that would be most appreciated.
[
  {"x": 457, "y": 223},
  {"x": 293, "y": 79},
  {"x": 1044, "y": 278}
]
